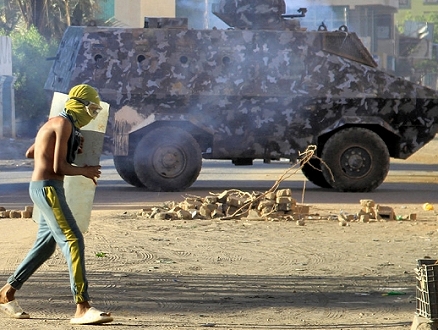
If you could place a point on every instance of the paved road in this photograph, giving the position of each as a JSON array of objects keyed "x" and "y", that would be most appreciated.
[{"x": 406, "y": 183}]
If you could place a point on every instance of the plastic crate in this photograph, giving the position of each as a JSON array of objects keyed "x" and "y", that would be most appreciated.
[{"x": 427, "y": 289}]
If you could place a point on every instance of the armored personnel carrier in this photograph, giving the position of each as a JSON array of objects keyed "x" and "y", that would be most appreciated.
[{"x": 263, "y": 89}]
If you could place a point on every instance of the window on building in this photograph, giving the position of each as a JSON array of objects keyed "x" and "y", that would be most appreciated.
[
  {"x": 404, "y": 4},
  {"x": 384, "y": 27}
]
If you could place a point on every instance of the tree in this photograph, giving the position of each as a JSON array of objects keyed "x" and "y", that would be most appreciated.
[
  {"x": 35, "y": 27},
  {"x": 49, "y": 17},
  {"x": 431, "y": 18},
  {"x": 9, "y": 17},
  {"x": 30, "y": 67},
  {"x": 418, "y": 68}
]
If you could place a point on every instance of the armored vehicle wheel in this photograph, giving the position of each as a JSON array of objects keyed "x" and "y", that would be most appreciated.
[
  {"x": 312, "y": 171},
  {"x": 358, "y": 159},
  {"x": 167, "y": 159},
  {"x": 125, "y": 167}
]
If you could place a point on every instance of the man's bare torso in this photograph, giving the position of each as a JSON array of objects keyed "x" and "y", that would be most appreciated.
[{"x": 50, "y": 149}]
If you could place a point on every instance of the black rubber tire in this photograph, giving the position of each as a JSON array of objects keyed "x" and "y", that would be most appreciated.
[
  {"x": 358, "y": 159},
  {"x": 125, "y": 167},
  {"x": 312, "y": 171},
  {"x": 167, "y": 159}
]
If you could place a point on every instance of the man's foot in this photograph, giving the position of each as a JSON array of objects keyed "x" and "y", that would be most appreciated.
[
  {"x": 91, "y": 316},
  {"x": 9, "y": 305},
  {"x": 7, "y": 294}
]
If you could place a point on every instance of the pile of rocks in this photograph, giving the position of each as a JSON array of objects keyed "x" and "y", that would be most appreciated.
[
  {"x": 232, "y": 204},
  {"x": 26, "y": 213},
  {"x": 370, "y": 211}
]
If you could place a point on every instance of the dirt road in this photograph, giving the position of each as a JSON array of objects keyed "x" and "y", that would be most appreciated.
[{"x": 235, "y": 275}]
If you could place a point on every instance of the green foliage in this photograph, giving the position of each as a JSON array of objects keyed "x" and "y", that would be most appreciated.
[
  {"x": 30, "y": 67},
  {"x": 9, "y": 16},
  {"x": 36, "y": 26},
  {"x": 431, "y": 18}
]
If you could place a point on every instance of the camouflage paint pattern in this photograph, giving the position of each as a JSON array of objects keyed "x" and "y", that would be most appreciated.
[{"x": 264, "y": 93}]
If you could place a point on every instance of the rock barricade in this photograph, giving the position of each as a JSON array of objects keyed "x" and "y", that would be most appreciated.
[{"x": 26, "y": 213}]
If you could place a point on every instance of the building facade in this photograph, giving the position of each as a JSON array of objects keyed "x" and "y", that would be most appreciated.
[
  {"x": 417, "y": 7},
  {"x": 131, "y": 13}
]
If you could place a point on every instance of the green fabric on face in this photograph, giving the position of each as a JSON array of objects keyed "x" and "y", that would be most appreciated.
[{"x": 77, "y": 109}]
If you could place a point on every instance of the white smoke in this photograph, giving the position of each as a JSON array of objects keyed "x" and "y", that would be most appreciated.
[{"x": 199, "y": 13}]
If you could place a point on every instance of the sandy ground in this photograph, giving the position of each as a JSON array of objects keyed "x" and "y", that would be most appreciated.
[{"x": 234, "y": 274}]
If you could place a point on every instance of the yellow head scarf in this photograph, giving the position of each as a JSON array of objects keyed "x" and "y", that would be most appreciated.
[{"x": 76, "y": 109}]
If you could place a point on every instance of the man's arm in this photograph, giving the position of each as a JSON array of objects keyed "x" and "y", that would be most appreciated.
[{"x": 60, "y": 165}]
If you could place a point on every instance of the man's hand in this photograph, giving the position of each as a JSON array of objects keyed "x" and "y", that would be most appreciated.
[
  {"x": 92, "y": 172},
  {"x": 31, "y": 151},
  {"x": 81, "y": 145}
]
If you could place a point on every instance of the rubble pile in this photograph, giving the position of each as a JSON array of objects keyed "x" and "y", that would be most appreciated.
[
  {"x": 232, "y": 204},
  {"x": 26, "y": 213},
  {"x": 370, "y": 211},
  {"x": 268, "y": 206},
  {"x": 236, "y": 204}
]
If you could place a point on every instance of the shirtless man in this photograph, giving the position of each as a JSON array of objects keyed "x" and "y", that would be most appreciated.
[{"x": 56, "y": 145}]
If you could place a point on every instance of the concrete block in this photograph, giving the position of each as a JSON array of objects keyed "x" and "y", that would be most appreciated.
[
  {"x": 284, "y": 207},
  {"x": 230, "y": 210},
  {"x": 253, "y": 214},
  {"x": 210, "y": 206},
  {"x": 302, "y": 209},
  {"x": 211, "y": 199},
  {"x": 283, "y": 199},
  {"x": 265, "y": 204},
  {"x": 26, "y": 214},
  {"x": 385, "y": 212},
  {"x": 236, "y": 201},
  {"x": 217, "y": 213},
  {"x": 370, "y": 213},
  {"x": 184, "y": 215},
  {"x": 367, "y": 203},
  {"x": 283, "y": 192},
  {"x": 270, "y": 196},
  {"x": 164, "y": 216},
  {"x": 222, "y": 197},
  {"x": 205, "y": 211},
  {"x": 14, "y": 214},
  {"x": 346, "y": 217},
  {"x": 187, "y": 205},
  {"x": 364, "y": 218}
]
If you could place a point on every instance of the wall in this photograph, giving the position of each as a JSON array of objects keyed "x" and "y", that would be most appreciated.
[
  {"x": 132, "y": 12},
  {"x": 7, "y": 107},
  {"x": 418, "y": 7},
  {"x": 5, "y": 56}
]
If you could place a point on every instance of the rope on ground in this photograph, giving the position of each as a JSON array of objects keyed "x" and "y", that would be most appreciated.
[{"x": 305, "y": 158}]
